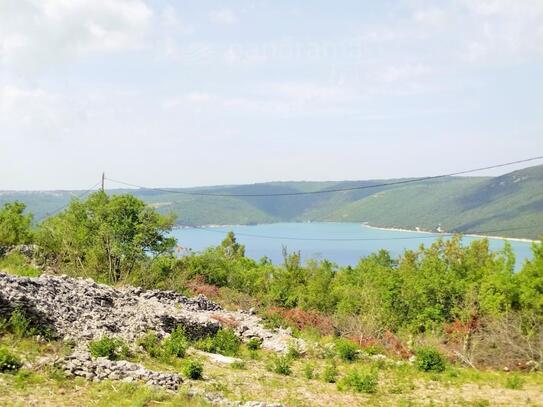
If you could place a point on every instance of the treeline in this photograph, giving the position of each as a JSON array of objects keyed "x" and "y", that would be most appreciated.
[{"x": 467, "y": 299}]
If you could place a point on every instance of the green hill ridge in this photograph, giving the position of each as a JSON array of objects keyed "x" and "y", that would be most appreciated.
[{"x": 509, "y": 205}]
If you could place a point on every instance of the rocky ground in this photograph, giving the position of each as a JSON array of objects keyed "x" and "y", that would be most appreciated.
[{"x": 80, "y": 311}]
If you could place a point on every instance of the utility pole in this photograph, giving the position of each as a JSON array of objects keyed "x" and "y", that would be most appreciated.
[{"x": 103, "y": 180}]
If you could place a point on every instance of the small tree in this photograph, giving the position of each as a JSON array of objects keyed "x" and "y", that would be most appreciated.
[
  {"x": 107, "y": 234},
  {"x": 15, "y": 226},
  {"x": 231, "y": 248}
]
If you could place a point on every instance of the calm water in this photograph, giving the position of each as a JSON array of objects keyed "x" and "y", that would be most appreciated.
[{"x": 336, "y": 249}]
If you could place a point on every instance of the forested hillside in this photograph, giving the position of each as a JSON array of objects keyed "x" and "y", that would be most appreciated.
[{"x": 509, "y": 205}]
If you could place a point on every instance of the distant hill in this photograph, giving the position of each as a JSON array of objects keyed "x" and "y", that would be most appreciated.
[{"x": 509, "y": 205}]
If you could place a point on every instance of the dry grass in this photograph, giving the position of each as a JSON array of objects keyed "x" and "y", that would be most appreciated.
[{"x": 399, "y": 384}]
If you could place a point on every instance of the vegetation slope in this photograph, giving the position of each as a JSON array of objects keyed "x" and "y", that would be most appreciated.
[{"x": 509, "y": 205}]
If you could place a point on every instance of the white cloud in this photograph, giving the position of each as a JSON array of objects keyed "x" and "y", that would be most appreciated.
[
  {"x": 35, "y": 33},
  {"x": 269, "y": 99},
  {"x": 25, "y": 110},
  {"x": 223, "y": 16},
  {"x": 404, "y": 72},
  {"x": 485, "y": 31},
  {"x": 431, "y": 16}
]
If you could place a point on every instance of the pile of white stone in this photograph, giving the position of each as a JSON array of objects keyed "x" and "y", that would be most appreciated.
[
  {"x": 80, "y": 363},
  {"x": 82, "y": 310}
]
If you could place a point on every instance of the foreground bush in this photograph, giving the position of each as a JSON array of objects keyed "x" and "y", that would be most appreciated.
[
  {"x": 430, "y": 360},
  {"x": 193, "y": 369},
  {"x": 150, "y": 344},
  {"x": 280, "y": 364},
  {"x": 225, "y": 342},
  {"x": 329, "y": 375},
  {"x": 8, "y": 361},
  {"x": 359, "y": 382},
  {"x": 15, "y": 226},
  {"x": 254, "y": 344},
  {"x": 111, "y": 348},
  {"x": 176, "y": 344},
  {"x": 22, "y": 326},
  {"x": 309, "y": 371},
  {"x": 346, "y": 350},
  {"x": 19, "y": 265}
]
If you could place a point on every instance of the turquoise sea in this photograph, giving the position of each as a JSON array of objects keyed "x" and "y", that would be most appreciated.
[{"x": 342, "y": 243}]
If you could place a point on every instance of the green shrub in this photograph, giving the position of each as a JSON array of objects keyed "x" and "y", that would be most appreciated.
[
  {"x": 193, "y": 369},
  {"x": 429, "y": 360},
  {"x": 20, "y": 325},
  {"x": 8, "y": 361},
  {"x": 15, "y": 225},
  {"x": 176, "y": 344},
  {"x": 111, "y": 348},
  {"x": 359, "y": 382},
  {"x": 225, "y": 342},
  {"x": 19, "y": 265},
  {"x": 309, "y": 371},
  {"x": 151, "y": 344},
  {"x": 346, "y": 350},
  {"x": 254, "y": 344},
  {"x": 205, "y": 344},
  {"x": 513, "y": 382},
  {"x": 329, "y": 375},
  {"x": 280, "y": 364}
]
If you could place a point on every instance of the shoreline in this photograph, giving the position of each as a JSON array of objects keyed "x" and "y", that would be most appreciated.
[
  {"x": 367, "y": 225},
  {"x": 445, "y": 234}
]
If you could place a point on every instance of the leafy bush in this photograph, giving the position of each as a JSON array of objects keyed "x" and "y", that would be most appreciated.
[
  {"x": 359, "y": 382},
  {"x": 22, "y": 326},
  {"x": 346, "y": 350},
  {"x": 151, "y": 344},
  {"x": 225, "y": 342},
  {"x": 329, "y": 375},
  {"x": 254, "y": 344},
  {"x": 19, "y": 324},
  {"x": 205, "y": 344},
  {"x": 111, "y": 348},
  {"x": 280, "y": 364},
  {"x": 15, "y": 227},
  {"x": 193, "y": 369},
  {"x": 429, "y": 360},
  {"x": 8, "y": 361},
  {"x": 309, "y": 371},
  {"x": 19, "y": 265},
  {"x": 176, "y": 344}
]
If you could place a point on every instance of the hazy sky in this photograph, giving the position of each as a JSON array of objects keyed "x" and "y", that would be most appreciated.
[{"x": 166, "y": 93}]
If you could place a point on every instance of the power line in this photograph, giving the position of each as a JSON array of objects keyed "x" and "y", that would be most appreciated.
[
  {"x": 79, "y": 196},
  {"x": 326, "y": 191},
  {"x": 426, "y": 236}
]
